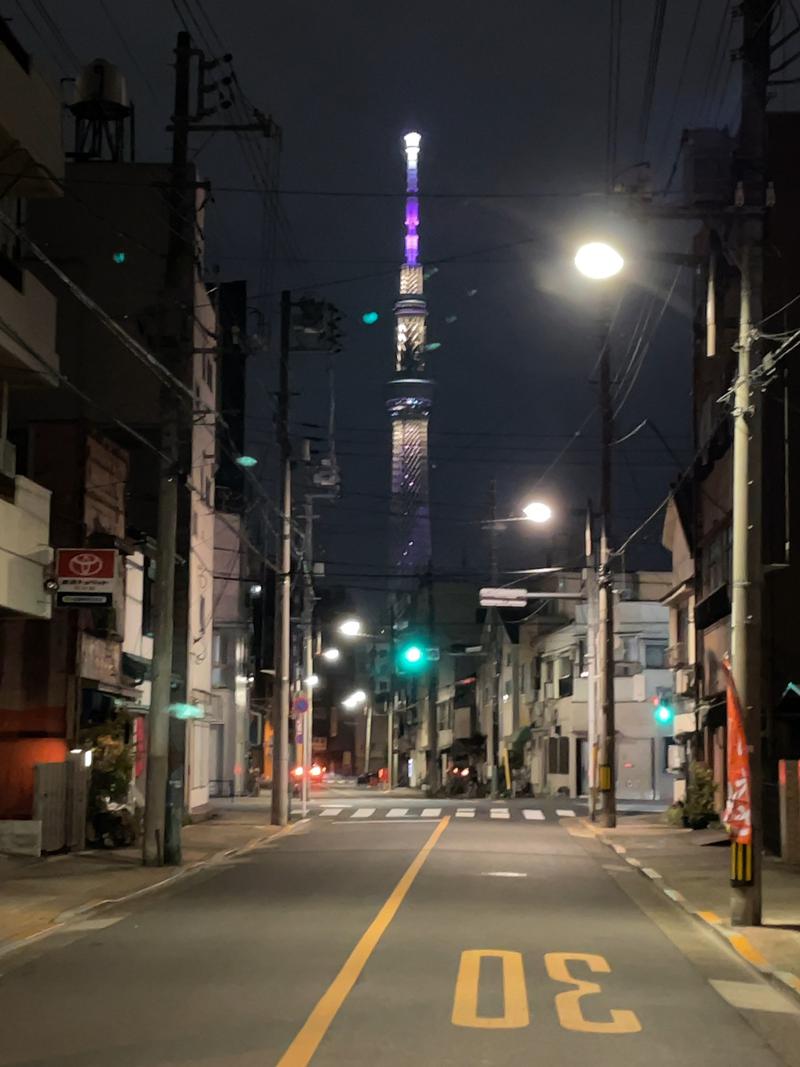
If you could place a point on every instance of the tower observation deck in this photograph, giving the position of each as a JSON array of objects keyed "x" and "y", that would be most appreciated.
[{"x": 410, "y": 396}]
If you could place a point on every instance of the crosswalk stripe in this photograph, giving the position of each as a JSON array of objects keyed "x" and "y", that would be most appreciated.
[
  {"x": 431, "y": 813},
  {"x": 363, "y": 813},
  {"x": 465, "y": 813},
  {"x": 565, "y": 812},
  {"x": 331, "y": 811},
  {"x": 396, "y": 813},
  {"x": 532, "y": 813},
  {"x": 499, "y": 813}
]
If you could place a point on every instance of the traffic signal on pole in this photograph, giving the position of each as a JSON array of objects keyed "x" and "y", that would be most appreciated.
[
  {"x": 411, "y": 657},
  {"x": 664, "y": 712}
]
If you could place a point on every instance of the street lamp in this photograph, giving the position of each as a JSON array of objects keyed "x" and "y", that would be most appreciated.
[
  {"x": 598, "y": 260},
  {"x": 537, "y": 512},
  {"x": 355, "y": 700},
  {"x": 331, "y": 655},
  {"x": 312, "y": 681},
  {"x": 350, "y": 627}
]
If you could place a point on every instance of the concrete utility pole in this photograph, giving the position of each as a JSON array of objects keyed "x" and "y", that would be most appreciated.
[
  {"x": 433, "y": 693},
  {"x": 308, "y": 636},
  {"x": 591, "y": 657},
  {"x": 747, "y": 576},
  {"x": 179, "y": 253},
  {"x": 493, "y": 746},
  {"x": 605, "y": 629},
  {"x": 283, "y": 587}
]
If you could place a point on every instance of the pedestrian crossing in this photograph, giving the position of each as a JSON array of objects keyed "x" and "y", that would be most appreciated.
[{"x": 494, "y": 812}]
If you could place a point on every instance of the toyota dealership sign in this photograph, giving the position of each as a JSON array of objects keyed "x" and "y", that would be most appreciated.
[{"x": 86, "y": 577}]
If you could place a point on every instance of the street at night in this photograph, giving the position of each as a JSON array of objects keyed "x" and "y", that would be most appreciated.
[
  {"x": 386, "y": 940},
  {"x": 399, "y": 502}
]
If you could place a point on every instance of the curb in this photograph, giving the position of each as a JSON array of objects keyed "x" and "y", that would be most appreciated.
[
  {"x": 786, "y": 981},
  {"x": 83, "y": 910}
]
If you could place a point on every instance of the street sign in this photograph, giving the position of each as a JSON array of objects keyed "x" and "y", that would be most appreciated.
[
  {"x": 488, "y": 602},
  {"x": 86, "y": 577},
  {"x": 300, "y": 704},
  {"x": 504, "y": 593}
]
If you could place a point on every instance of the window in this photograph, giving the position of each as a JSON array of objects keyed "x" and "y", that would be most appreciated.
[
  {"x": 558, "y": 755},
  {"x": 565, "y": 677},
  {"x": 655, "y": 656},
  {"x": 148, "y": 580},
  {"x": 202, "y": 613},
  {"x": 10, "y": 244},
  {"x": 522, "y": 673},
  {"x": 548, "y": 670},
  {"x": 508, "y": 659},
  {"x": 583, "y": 666}
]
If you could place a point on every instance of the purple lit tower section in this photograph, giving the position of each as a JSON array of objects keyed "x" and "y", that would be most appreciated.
[{"x": 410, "y": 396}]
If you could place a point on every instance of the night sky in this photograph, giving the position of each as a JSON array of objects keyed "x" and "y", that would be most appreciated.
[{"x": 511, "y": 101}]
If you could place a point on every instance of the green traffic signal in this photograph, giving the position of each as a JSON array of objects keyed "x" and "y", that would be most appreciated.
[
  {"x": 663, "y": 713},
  {"x": 411, "y": 657}
]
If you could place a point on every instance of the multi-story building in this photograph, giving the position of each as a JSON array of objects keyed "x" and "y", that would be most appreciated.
[
  {"x": 698, "y": 527},
  {"x": 537, "y": 673}
]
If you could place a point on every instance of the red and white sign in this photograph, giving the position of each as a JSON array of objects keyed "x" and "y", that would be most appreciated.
[{"x": 86, "y": 576}]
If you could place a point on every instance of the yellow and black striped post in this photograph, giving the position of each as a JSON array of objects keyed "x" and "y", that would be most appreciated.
[
  {"x": 741, "y": 864},
  {"x": 605, "y": 777}
]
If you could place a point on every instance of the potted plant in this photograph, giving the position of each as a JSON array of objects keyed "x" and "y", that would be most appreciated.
[{"x": 699, "y": 809}]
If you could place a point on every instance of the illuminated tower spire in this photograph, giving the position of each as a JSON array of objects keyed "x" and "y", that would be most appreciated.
[{"x": 410, "y": 395}]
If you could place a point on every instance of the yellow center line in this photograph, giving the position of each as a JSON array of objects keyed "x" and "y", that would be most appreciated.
[{"x": 307, "y": 1041}]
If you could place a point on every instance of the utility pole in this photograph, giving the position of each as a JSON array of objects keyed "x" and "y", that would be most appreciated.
[
  {"x": 308, "y": 635},
  {"x": 747, "y": 576},
  {"x": 591, "y": 657},
  {"x": 181, "y": 243},
  {"x": 283, "y": 587},
  {"x": 605, "y": 629},
  {"x": 433, "y": 693},
  {"x": 495, "y": 622}
]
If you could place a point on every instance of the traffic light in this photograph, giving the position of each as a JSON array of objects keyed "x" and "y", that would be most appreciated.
[
  {"x": 411, "y": 657},
  {"x": 664, "y": 712}
]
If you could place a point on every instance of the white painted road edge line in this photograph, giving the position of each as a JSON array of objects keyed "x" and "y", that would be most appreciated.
[
  {"x": 363, "y": 813},
  {"x": 532, "y": 813},
  {"x": 565, "y": 813},
  {"x": 465, "y": 813},
  {"x": 331, "y": 811},
  {"x": 499, "y": 813},
  {"x": 431, "y": 813},
  {"x": 396, "y": 813},
  {"x": 651, "y": 873}
]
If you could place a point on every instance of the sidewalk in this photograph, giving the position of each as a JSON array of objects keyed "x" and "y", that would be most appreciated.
[
  {"x": 692, "y": 868},
  {"x": 37, "y": 895}
]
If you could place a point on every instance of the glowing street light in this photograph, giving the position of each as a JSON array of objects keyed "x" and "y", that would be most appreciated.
[
  {"x": 350, "y": 627},
  {"x": 537, "y": 511},
  {"x": 355, "y": 700},
  {"x": 332, "y": 655},
  {"x": 246, "y": 461},
  {"x": 312, "y": 681},
  {"x": 598, "y": 260}
]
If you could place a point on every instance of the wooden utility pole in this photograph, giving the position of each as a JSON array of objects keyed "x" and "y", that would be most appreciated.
[
  {"x": 283, "y": 587},
  {"x": 605, "y": 628},
  {"x": 747, "y": 574},
  {"x": 433, "y": 693},
  {"x": 179, "y": 252},
  {"x": 497, "y": 648}
]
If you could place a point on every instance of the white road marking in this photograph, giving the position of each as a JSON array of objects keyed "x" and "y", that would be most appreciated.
[
  {"x": 333, "y": 804},
  {"x": 396, "y": 813},
  {"x": 504, "y": 874},
  {"x": 431, "y": 813},
  {"x": 331, "y": 811},
  {"x": 499, "y": 813},
  {"x": 533, "y": 813},
  {"x": 96, "y": 924},
  {"x": 363, "y": 813},
  {"x": 654, "y": 875},
  {"x": 465, "y": 813},
  {"x": 565, "y": 813},
  {"x": 754, "y": 996}
]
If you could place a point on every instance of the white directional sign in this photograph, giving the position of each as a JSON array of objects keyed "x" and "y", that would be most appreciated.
[
  {"x": 487, "y": 602},
  {"x": 504, "y": 598}
]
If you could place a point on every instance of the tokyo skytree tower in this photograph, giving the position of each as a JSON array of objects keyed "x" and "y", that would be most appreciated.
[{"x": 410, "y": 396}]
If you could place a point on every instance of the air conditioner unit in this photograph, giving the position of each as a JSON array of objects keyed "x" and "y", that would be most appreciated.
[
  {"x": 676, "y": 758},
  {"x": 684, "y": 681}
]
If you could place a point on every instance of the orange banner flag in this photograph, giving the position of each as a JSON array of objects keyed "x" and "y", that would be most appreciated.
[{"x": 738, "y": 816}]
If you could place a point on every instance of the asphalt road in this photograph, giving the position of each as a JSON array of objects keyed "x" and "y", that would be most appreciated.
[{"x": 397, "y": 940}]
